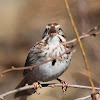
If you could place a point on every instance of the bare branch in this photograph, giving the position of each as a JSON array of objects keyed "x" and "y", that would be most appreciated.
[
  {"x": 93, "y": 29},
  {"x": 81, "y": 37},
  {"x": 47, "y": 85},
  {"x": 30, "y": 67},
  {"x": 89, "y": 96},
  {"x": 52, "y": 58},
  {"x": 84, "y": 35},
  {"x": 83, "y": 98}
]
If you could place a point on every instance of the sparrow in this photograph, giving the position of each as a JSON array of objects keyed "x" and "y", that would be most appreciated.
[{"x": 50, "y": 44}]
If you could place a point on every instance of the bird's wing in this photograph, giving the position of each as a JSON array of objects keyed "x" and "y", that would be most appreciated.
[{"x": 33, "y": 55}]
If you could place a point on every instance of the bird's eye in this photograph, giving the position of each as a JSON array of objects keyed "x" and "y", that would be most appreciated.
[{"x": 59, "y": 28}]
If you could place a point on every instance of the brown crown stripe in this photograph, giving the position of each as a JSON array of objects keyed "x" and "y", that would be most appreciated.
[{"x": 54, "y": 24}]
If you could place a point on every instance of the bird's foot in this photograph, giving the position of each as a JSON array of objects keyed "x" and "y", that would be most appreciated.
[
  {"x": 64, "y": 85},
  {"x": 36, "y": 86}
]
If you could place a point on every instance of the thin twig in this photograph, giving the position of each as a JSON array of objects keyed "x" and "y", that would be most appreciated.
[
  {"x": 81, "y": 46},
  {"x": 81, "y": 37},
  {"x": 84, "y": 98},
  {"x": 29, "y": 67},
  {"x": 46, "y": 85},
  {"x": 93, "y": 29},
  {"x": 89, "y": 96}
]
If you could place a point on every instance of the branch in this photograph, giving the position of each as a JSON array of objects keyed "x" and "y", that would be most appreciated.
[
  {"x": 93, "y": 29},
  {"x": 81, "y": 37},
  {"x": 46, "y": 85},
  {"x": 84, "y": 98},
  {"x": 89, "y": 96},
  {"x": 30, "y": 67},
  {"x": 84, "y": 35},
  {"x": 45, "y": 61}
]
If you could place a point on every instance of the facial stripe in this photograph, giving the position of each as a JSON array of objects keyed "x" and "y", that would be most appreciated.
[
  {"x": 47, "y": 27},
  {"x": 58, "y": 26}
]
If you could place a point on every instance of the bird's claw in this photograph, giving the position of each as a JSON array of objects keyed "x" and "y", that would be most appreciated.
[
  {"x": 64, "y": 86},
  {"x": 37, "y": 85}
]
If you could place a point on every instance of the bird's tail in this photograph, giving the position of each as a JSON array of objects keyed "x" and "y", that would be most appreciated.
[{"x": 23, "y": 94}]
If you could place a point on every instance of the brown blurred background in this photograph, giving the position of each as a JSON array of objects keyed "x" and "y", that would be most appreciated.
[{"x": 22, "y": 23}]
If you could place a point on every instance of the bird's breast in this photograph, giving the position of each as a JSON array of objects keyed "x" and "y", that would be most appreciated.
[{"x": 52, "y": 69}]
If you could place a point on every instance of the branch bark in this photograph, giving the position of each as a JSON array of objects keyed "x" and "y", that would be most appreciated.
[
  {"x": 47, "y": 85},
  {"x": 45, "y": 61},
  {"x": 97, "y": 93}
]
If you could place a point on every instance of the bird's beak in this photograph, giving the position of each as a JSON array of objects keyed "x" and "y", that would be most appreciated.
[{"x": 52, "y": 30}]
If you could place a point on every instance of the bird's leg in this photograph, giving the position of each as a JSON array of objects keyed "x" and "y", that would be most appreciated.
[{"x": 64, "y": 85}]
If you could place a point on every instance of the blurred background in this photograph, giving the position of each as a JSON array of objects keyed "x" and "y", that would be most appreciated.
[{"x": 22, "y": 23}]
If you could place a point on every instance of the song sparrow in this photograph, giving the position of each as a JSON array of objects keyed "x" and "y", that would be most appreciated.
[{"x": 53, "y": 36}]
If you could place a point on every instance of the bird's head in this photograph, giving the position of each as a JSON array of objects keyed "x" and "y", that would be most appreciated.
[{"x": 53, "y": 30}]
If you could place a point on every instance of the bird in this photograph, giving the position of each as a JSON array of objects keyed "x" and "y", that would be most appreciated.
[{"x": 51, "y": 45}]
